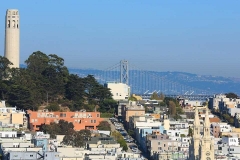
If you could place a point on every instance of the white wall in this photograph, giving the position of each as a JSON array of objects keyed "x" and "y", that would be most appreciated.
[
  {"x": 231, "y": 141},
  {"x": 8, "y": 134},
  {"x": 120, "y": 91}
]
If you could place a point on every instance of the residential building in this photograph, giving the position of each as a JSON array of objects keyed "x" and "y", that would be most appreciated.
[
  {"x": 132, "y": 109},
  {"x": 12, "y": 116},
  {"x": 214, "y": 101},
  {"x": 81, "y": 119},
  {"x": 120, "y": 91},
  {"x": 31, "y": 155},
  {"x": 218, "y": 128}
]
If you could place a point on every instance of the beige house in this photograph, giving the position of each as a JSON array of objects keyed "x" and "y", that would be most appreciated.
[
  {"x": 10, "y": 115},
  {"x": 132, "y": 109}
]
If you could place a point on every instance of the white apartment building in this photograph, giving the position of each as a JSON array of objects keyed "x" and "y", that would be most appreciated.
[
  {"x": 120, "y": 91},
  {"x": 178, "y": 125},
  {"x": 214, "y": 101},
  {"x": 8, "y": 134},
  {"x": 176, "y": 133},
  {"x": 231, "y": 141}
]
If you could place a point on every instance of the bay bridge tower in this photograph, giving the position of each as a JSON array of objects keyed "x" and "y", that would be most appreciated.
[
  {"x": 12, "y": 37},
  {"x": 124, "y": 72}
]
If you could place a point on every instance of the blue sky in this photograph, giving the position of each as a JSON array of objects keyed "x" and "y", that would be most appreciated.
[{"x": 199, "y": 37}]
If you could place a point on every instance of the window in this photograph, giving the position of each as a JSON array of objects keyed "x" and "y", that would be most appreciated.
[
  {"x": 94, "y": 121},
  {"x": 158, "y": 143},
  {"x": 31, "y": 155},
  {"x": 8, "y": 24},
  {"x": 97, "y": 115}
]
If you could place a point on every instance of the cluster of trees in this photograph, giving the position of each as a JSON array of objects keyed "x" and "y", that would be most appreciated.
[
  {"x": 72, "y": 137},
  {"x": 174, "y": 108},
  {"x": 46, "y": 79},
  {"x": 104, "y": 125},
  {"x": 120, "y": 140},
  {"x": 155, "y": 96},
  {"x": 231, "y": 95},
  {"x": 225, "y": 116},
  {"x": 228, "y": 118}
]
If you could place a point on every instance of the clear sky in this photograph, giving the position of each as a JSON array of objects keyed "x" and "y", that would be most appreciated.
[{"x": 201, "y": 37}]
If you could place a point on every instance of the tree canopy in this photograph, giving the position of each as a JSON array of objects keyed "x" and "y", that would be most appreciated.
[
  {"x": 46, "y": 81},
  {"x": 104, "y": 125},
  {"x": 231, "y": 95}
]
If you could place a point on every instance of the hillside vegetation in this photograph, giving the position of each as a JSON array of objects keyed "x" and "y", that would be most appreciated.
[{"x": 46, "y": 82}]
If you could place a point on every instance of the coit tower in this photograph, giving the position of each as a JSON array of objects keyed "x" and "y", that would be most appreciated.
[{"x": 12, "y": 34}]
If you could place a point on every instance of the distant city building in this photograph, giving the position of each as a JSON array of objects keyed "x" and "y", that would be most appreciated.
[{"x": 12, "y": 37}]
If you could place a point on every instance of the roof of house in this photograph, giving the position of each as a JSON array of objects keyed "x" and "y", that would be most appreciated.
[{"x": 214, "y": 119}]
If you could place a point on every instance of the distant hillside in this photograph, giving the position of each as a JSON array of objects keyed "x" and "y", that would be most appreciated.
[
  {"x": 213, "y": 84},
  {"x": 139, "y": 83}
]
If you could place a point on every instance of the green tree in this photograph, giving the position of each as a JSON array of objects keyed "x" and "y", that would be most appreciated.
[
  {"x": 53, "y": 129},
  {"x": 4, "y": 68},
  {"x": 61, "y": 128},
  {"x": 154, "y": 96},
  {"x": 172, "y": 108},
  {"x": 190, "y": 132},
  {"x": 116, "y": 135},
  {"x": 69, "y": 138},
  {"x": 131, "y": 98},
  {"x": 123, "y": 144},
  {"x": 21, "y": 97},
  {"x": 108, "y": 105},
  {"x": 104, "y": 125},
  {"x": 37, "y": 62},
  {"x": 162, "y": 96},
  {"x": 182, "y": 135},
  {"x": 75, "y": 88},
  {"x": 76, "y": 138},
  {"x": 53, "y": 107},
  {"x": 65, "y": 126},
  {"x": 231, "y": 95},
  {"x": 131, "y": 132},
  {"x": 120, "y": 140},
  {"x": 231, "y": 120}
]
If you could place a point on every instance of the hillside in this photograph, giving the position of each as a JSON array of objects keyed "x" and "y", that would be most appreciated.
[{"x": 214, "y": 84}]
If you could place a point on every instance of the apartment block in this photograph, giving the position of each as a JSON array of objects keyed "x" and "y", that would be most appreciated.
[
  {"x": 81, "y": 120},
  {"x": 11, "y": 116},
  {"x": 132, "y": 109}
]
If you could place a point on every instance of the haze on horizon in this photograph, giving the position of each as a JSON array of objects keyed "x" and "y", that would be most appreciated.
[{"x": 200, "y": 37}]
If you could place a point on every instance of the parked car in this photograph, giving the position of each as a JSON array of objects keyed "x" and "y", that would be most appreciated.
[
  {"x": 133, "y": 146},
  {"x": 129, "y": 140}
]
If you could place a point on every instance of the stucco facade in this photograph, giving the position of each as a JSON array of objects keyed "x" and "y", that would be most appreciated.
[
  {"x": 120, "y": 91},
  {"x": 80, "y": 120}
]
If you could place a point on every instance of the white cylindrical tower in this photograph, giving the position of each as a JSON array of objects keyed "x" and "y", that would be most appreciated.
[{"x": 12, "y": 37}]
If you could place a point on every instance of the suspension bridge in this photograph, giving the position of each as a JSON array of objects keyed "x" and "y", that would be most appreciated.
[{"x": 144, "y": 83}]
